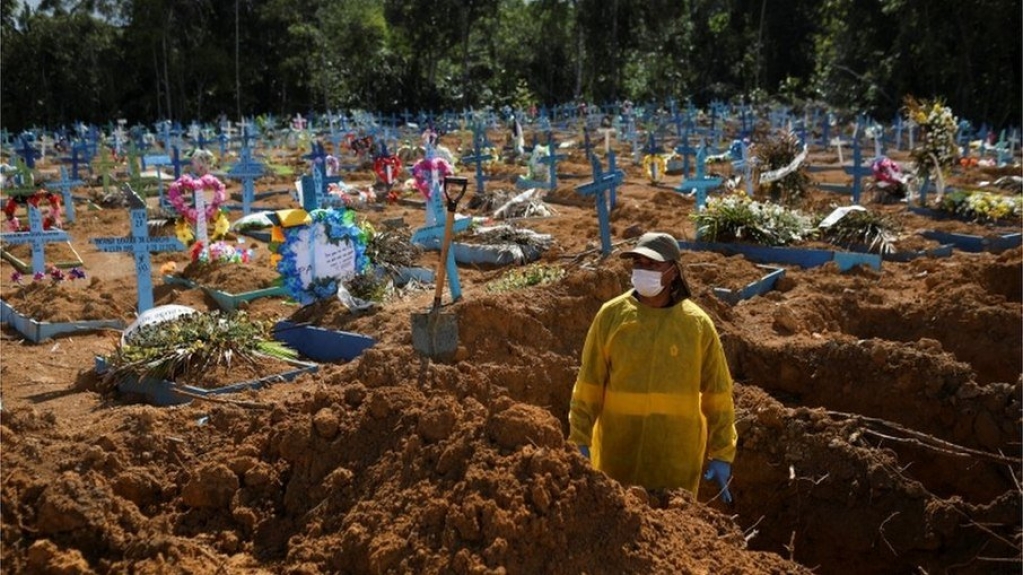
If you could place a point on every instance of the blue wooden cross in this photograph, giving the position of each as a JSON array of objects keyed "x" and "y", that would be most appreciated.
[
  {"x": 552, "y": 159},
  {"x": 897, "y": 125},
  {"x": 478, "y": 156},
  {"x": 247, "y": 170},
  {"x": 318, "y": 155},
  {"x": 64, "y": 184},
  {"x": 141, "y": 246},
  {"x": 164, "y": 129},
  {"x": 745, "y": 164},
  {"x": 28, "y": 153},
  {"x": 857, "y": 170},
  {"x": 686, "y": 151},
  {"x": 314, "y": 187},
  {"x": 598, "y": 188},
  {"x": 75, "y": 159},
  {"x": 748, "y": 121},
  {"x": 700, "y": 183},
  {"x": 37, "y": 238},
  {"x": 587, "y": 145}
]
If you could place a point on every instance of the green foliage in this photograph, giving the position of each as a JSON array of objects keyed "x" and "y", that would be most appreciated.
[
  {"x": 146, "y": 60},
  {"x": 369, "y": 286},
  {"x": 531, "y": 275},
  {"x": 194, "y": 343},
  {"x": 738, "y": 218}
]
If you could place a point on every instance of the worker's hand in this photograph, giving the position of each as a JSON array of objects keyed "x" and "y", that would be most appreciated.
[
  {"x": 720, "y": 472},
  {"x": 585, "y": 450}
]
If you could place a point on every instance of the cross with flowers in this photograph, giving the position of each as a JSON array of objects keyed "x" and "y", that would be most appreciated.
[{"x": 37, "y": 238}]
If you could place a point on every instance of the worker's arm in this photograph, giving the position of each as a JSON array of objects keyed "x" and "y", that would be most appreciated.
[{"x": 716, "y": 401}]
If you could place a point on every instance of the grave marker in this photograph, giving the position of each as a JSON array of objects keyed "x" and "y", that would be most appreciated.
[
  {"x": 478, "y": 156},
  {"x": 686, "y": 151},
  {"x": 37, "y": 238},
  {"x": 746, "y": 165},
  {"x": 700, "y": 183},
  {"x": 64, "y": 184},
  {"x": 857, "y": 170},
  {"x": 601, "y": 184},
  {"x": 247, "y": 170},
  {"x": 141, "y": 246},
  {"x": 28, "y": 153}
]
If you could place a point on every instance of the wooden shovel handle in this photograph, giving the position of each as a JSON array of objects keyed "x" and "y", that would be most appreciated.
[{"x": 442, "y": 267}]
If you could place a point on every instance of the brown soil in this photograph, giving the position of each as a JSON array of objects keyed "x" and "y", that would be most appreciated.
[{"x": 878, "y": 415}]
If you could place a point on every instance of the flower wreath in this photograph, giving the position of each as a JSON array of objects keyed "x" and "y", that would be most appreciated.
[
  {"x": 380, "y": 167},
  {"x": 51, "y": 219},
  {"x": 422, "y": 170},
  {"x": 188, "y": 184},
  {"x": 650, "y": 161},
  {"x": 338, "y": 226}
]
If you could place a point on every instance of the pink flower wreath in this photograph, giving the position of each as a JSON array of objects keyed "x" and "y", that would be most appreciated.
[
  {"x": 422, "y": 174},
  {"x": 187, "y": 185}
]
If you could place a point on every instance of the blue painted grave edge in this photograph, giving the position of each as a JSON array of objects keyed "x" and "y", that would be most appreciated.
[
  {"x": 976, "y": 244},
  {"x": 37, "y": 331},
  {"x": 754, "y": 288}
]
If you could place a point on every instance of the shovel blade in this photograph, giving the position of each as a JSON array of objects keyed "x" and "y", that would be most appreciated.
[{"x": 435, "y": 335}]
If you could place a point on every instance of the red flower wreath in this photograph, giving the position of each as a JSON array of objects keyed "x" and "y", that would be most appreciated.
[
  {"x": 188, "y": 184},
  {"x": 51, "y": 219},
  {"x": 380, "y": 167}
]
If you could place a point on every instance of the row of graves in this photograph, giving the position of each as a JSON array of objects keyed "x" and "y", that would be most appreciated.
[{"x": 727, "y": 159}]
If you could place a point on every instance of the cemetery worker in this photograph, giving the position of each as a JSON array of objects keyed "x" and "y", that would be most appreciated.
[{"x": 652, "y": 403}]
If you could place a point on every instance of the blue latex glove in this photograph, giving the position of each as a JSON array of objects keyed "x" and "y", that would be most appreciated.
[
  {"x": 585, "y": 450},
  {"x": 720, "y": 472}
]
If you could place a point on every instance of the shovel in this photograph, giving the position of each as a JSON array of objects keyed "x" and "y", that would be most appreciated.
[{"x": 435, "y": 334}]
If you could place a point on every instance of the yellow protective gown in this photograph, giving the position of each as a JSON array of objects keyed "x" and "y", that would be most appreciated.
[{"x": 653, "y": 399}]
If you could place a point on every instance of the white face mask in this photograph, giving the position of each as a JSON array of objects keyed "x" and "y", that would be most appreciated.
[{"x": 647, "y": 282}]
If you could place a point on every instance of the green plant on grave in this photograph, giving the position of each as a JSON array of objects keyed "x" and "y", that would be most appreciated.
[
  {"x": 775, "y": 154},
  {"x": 368, "y": 286},
  {"x": 531, "y": 275},
  {"x": 738, "y": 218},
  {"x": 981, "y": 206},
  {"x": 390, "y": 249},
  {"x": 194, "y": 343},
  {"x": 864, "y": 228}
]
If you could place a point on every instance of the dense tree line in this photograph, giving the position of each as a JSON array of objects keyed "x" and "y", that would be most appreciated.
[{"x": 94, "y": 60}]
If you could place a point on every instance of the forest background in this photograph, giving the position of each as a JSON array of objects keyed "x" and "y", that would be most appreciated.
[{"x": 64, "y": 61}]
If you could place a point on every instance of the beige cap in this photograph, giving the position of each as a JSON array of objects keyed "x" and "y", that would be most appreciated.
[{"x": 657, "y": 246}]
